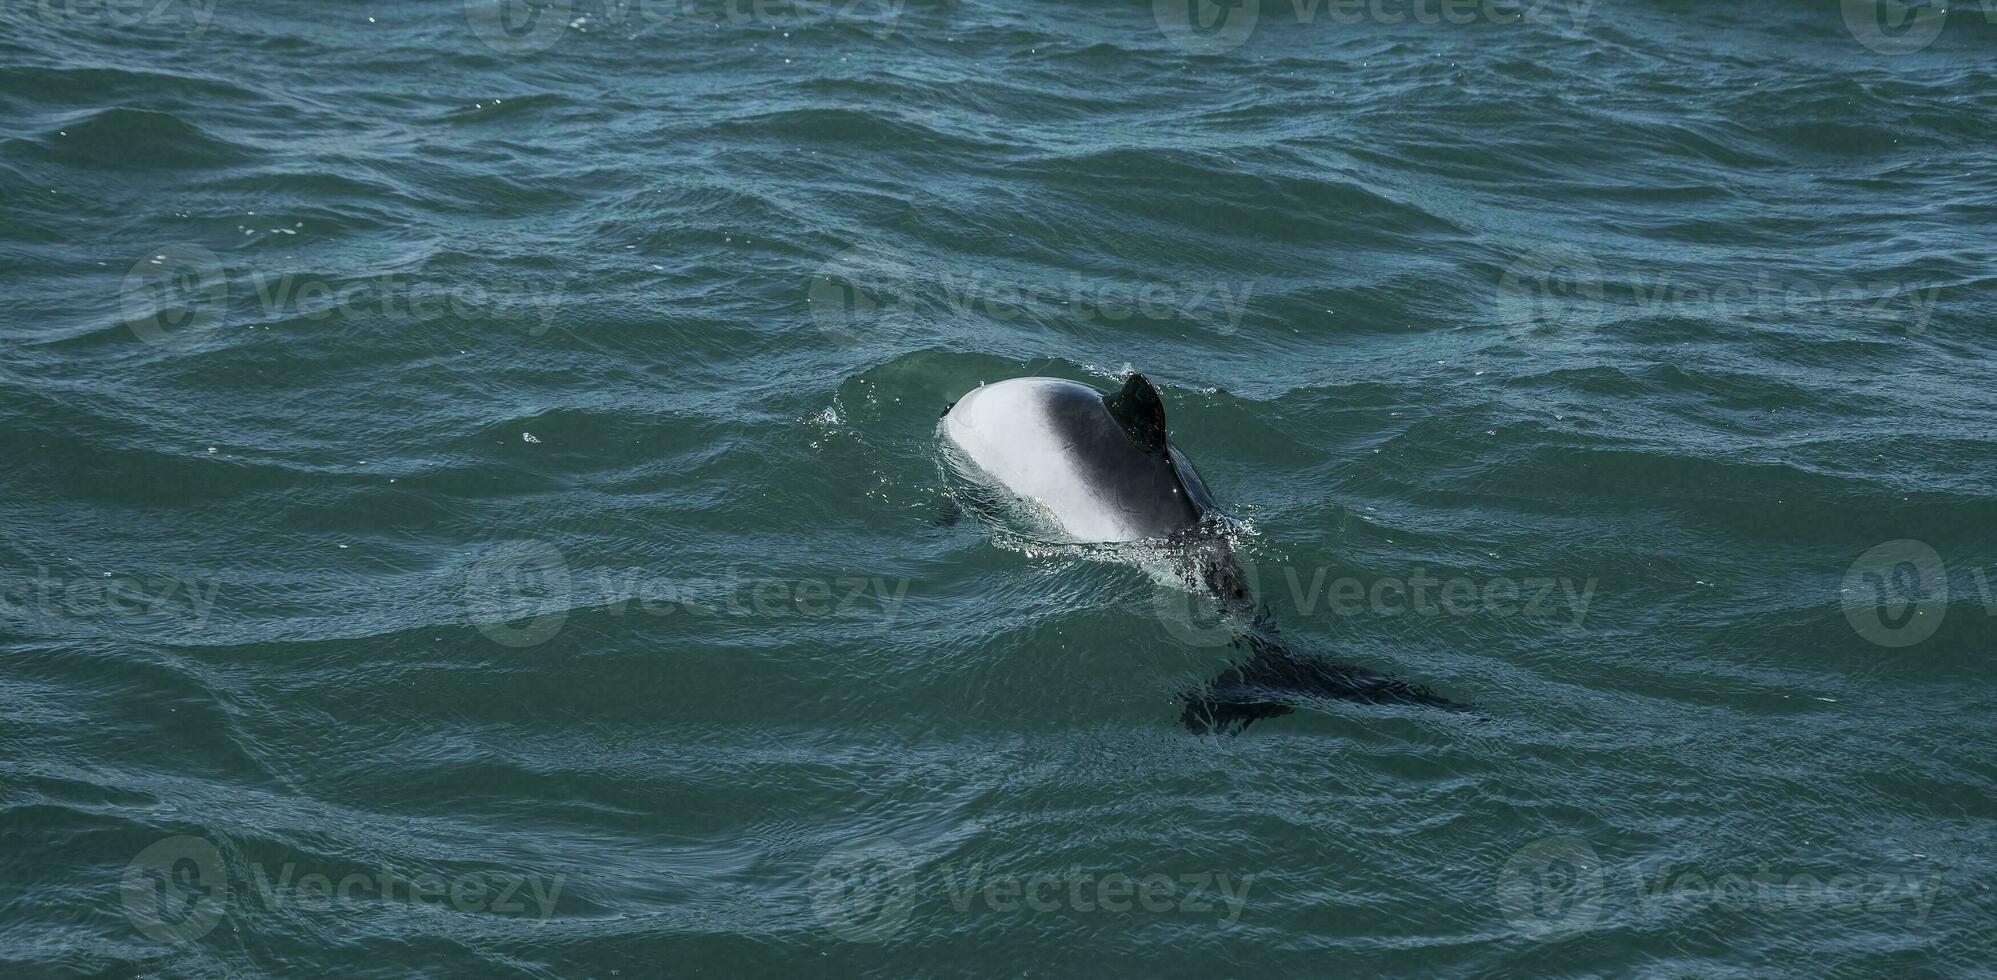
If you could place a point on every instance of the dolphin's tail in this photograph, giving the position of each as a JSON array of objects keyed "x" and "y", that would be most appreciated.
[{"x": 1275, "y": 679}]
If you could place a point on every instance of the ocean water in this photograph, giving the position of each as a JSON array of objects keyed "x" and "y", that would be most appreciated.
[{"x": 471, "y": 505}]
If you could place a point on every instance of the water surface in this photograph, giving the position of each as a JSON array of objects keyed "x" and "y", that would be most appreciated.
[{"x": 471, "y": 497}]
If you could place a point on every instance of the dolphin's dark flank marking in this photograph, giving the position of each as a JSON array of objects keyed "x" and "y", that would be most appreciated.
[{"x": 1104, "y": 469}]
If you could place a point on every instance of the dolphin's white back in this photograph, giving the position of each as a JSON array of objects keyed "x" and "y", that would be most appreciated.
[
  {"x": 1103, "y": 468},
  {"x": 1054, "y": 443}
]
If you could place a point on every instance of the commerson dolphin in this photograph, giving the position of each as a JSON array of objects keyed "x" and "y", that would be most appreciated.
[{"x": 1099, "y": 469}]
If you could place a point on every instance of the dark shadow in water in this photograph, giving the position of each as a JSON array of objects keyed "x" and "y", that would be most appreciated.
[{"x": 1276, "y": 678}]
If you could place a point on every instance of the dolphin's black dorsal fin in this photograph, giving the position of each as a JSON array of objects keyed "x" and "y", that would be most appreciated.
[{"x": 1141, "y": 413}]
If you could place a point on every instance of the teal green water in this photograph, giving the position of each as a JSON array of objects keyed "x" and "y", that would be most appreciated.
[{"x": 471, "y": 501}]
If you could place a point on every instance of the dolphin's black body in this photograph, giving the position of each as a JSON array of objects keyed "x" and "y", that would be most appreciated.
[{"x": 1275, "y": 678}]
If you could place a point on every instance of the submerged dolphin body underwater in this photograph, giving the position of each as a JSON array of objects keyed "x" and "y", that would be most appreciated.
[{"x": 1099, "y": 469}]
